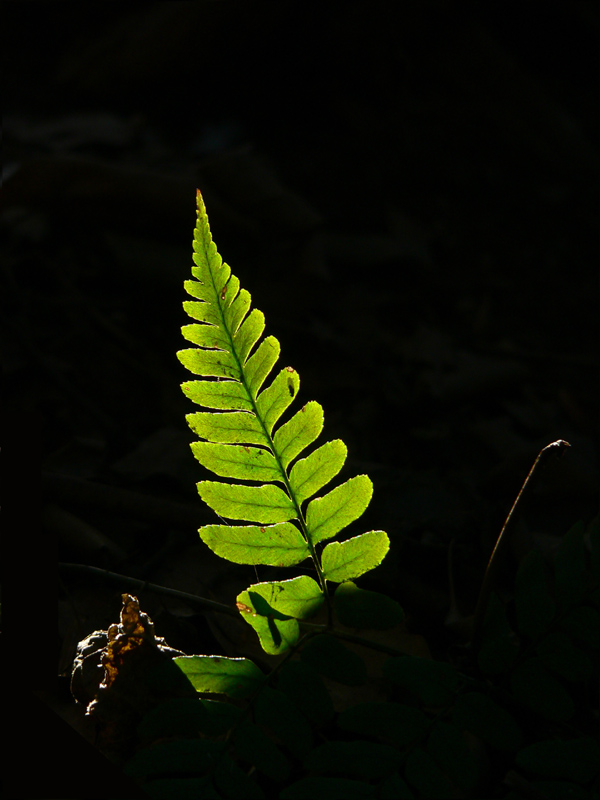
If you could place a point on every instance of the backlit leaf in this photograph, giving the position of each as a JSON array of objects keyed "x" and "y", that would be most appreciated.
[
  {"x": 316, "y": 470},
  {"x": 300, "y": 431},
  {"x": 227, "y": 395},
  {"x": 237, "y": 461},
  {"x": 244, "y": 439},
  {"x": 328, "y": 515},
  {"x": 275, "y": 399},
  {"x": 252, "y": 503},
  {"x": 280, "y": 545},
  {"x": 277, "y": 632},
  {"x": 236, "y": 677},
  {"x": 233, "y": 427},
  {"x": 344, "y": 560},
  {"x": 298, "y": 597}
]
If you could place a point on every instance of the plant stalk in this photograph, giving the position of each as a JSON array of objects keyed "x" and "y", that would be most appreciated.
[{"x": 503, "y": 540}]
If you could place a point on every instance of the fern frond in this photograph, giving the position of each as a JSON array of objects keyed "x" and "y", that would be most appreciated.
[{"x": 243, "y": 441}]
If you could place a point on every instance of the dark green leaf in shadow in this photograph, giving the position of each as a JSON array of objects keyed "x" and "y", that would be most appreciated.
[
  {"x": 499, "y": 645},
  {"x": 433, "y": 682},
  {"x": 593, "y": 533},
  {"x": 358, "y": 608},
  {"x": 449, "y": 748},
  {"x": 400, "y": 724},
  {"x": 570, "y": 568},
  {"x": 560, "y": 655},
  {"x": 302, "y": 684},
  {"x": 254, "y": 747},
  {"x": 534, "y": 687},
  {"x": 220, "y": 717},
  {"x": 329, "y": 657},
  {"x": 182, "y": 756},
  {"x": 573, "y": 759},
  {"x": 327, "y": 789},
  {"x": 583, "y": 624},
  {"x": 233, "y": 782},
  {"x": 422, "y": 772},
  {"x": 275, "y": 711},
  {"x": 360, "y": 759},
  {"x": 478, "y": 713},
  {"x": 395, "y": 788},
  {"x": 179, "y": 716},
  {"x": 561, "y": 790},
  {"x": 182, "y": 789},
  {"x": 534, "y": 602}
]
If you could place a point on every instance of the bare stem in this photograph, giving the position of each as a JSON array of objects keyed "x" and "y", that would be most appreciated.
[
  {"x": 499, "y": 550},
  {"x": 140, "y": 585}
]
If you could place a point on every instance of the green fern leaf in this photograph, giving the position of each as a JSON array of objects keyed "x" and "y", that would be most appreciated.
[
  {"x": 273, "y": 608},
  {"x": 280, "y": 545},
  {"x": 352, "y": 558},
  {"x": 243, "y": 439}
]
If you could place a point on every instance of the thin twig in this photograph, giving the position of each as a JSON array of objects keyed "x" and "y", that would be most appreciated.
[
  {"x": 137, "y": 584},
  {"x": 140, "y": 585},
  {"x": 499, "y": 550}
]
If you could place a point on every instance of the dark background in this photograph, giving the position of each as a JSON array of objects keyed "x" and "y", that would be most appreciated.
[{"x": 409, "y": 192}]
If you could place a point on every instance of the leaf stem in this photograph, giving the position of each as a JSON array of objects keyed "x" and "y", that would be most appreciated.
[{"x": 500, "y": 547}]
